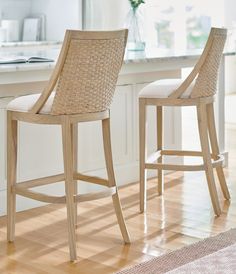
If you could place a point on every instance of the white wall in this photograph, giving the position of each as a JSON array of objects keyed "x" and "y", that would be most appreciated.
[
  {"x": 230, "y": 14},
  {"x": 60, "y": 15},
  {"x": 106, "y": 14},
  {"x": 14, "y": 9},
  {"x": 230, "y": 64}
]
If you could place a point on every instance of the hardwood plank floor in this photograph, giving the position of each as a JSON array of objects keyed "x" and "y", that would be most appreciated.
[{"x": 182, "y": 216}]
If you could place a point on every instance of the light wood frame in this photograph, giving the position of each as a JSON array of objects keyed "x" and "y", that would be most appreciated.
[
  {"x": 206, "y": 125},
  {"x": 69, "y": 126}
]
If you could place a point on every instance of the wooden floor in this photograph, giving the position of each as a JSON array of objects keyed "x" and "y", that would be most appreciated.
[{"x": 182, "y": 216}]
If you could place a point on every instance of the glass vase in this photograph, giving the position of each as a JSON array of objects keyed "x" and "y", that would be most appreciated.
[{"x": 135, "y": 22}]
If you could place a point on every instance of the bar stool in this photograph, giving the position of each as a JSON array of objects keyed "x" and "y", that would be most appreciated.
[
  {"x": 198, "y": 90},
  {"x": 84, "y": 81}
]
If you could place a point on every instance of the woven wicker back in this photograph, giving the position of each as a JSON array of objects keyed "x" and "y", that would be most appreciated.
[
  {"x": 206, "y": 81},
  {"x": 89, "y": 71}
]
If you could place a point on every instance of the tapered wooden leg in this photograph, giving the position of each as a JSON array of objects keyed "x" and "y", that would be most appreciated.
[
  {"x": 11, "y": 175},
  {"x": 142, "y": 154},
  {"x": 74, "y": 135},
  {"x": 69, "y": 184},
  {"x": 111, "y": 178},
  {"x": 215, "y": 149},
  {"x": 202, "y": 124},
  {"x": 159, "y": 113}
]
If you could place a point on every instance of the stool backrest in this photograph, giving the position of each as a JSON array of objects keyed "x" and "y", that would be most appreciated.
[
  {"x": 86, "y": 72},
  {"x": 205, "y": 72},
  {"x": 206, "y": 80}
]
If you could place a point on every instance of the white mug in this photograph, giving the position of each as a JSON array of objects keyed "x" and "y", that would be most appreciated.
[{"x": 12, "y": 30}]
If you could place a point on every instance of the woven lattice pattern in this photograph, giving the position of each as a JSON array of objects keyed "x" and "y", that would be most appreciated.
[
  {"x": 206, "y": 81},
  {"x": 89, "y": 75}
]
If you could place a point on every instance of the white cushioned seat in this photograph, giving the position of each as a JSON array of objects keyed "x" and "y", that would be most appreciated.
[
  {"x": 163, "y": 88},
  {"x": 25, "y": 103}
]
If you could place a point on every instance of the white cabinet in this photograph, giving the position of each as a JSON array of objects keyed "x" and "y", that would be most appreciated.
[
  {"x": 91, "y": 155},
  {"x": 2, "y": 150},
  {"x": 122, "y": 125},
  {"x": 3, "y": 103},
  {"x": 40, "y": 151}
]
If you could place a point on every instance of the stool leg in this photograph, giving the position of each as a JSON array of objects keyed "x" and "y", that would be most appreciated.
[
  {"x": 215, "y": 149},
  {"x": 111, "y": 178},
  {"x": 69, "y": 188},
  {"x": 74, "y": 135},
  {"x": 11, "y": 175},
  {"x": 142, "y": 154},
  {"x": 159, "y": 113},
  {"x": 202, "y": 124}
]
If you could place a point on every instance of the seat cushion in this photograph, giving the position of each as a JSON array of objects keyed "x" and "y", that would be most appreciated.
[
  {"x": 25, "y": 103},
  {"x": 163, "y": 88}
]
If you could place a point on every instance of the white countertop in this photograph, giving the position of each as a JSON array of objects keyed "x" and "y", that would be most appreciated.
[
  {"x": 150, "y": 55},
  {"x": 20, "y": 44}
]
